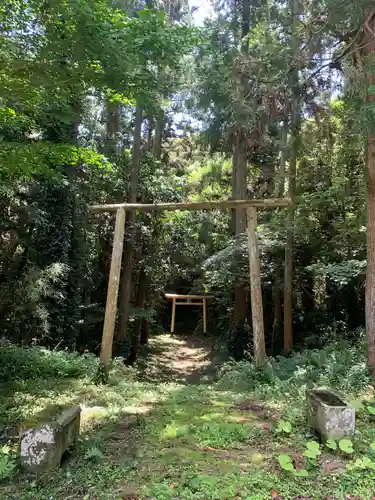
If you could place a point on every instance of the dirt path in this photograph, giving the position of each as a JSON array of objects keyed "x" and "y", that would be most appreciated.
[{"x": 182, "y": 359}]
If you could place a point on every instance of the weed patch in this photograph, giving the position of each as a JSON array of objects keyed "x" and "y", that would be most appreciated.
[
  {"x": 181, "y": 439},
  {"x": 23, "y": 365}
]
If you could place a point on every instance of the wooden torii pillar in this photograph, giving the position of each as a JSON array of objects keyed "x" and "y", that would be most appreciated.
[
  {"x": 254, "y": 263},
  {"x": 255, "y": 287}
]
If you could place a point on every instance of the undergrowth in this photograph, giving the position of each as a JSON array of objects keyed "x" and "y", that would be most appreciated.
[
  {"x": 172, "y": 439},
  {"x": 31, "y": 363},
  {"x": 339, "y": 364}
]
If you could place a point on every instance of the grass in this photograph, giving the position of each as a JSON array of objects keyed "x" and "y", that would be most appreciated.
[{"x": 182, "y": 425}]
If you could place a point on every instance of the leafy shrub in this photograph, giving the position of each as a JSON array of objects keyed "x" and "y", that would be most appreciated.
[
  {"x": 24, "y": 300},
  {"x": 241, "y": 375},
  {"x": 7, "y": 463},
  {"x": 30, "y": 363},
  {"x": 340, "y": 365}
]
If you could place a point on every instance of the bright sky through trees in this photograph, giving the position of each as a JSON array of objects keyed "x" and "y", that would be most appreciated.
[{"x": 203, "y": 10}]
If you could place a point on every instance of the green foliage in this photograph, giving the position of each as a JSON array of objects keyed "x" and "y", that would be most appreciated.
[
  {"x": 286, "y": 463},
  {"x": 357, "y": 405},
  {"x": 56, "y": 80},
  {"x": 197, "y": 439},
  {"x": 301, "y": 473},
  {"x": 346, "y": 445},
  {"x": 327, "y": 366},
  {"x": 61, "y": 64},
  {"x": 312, "y": 450},
  {"x": 7, "y": 463},
  {"x": 331, "y": 444},
  {"x": 341, "y": 274},
  {"x": 93, "y": 454},
  {"x": 284, "y": 427},
  {"x": 19, "y": 363},
  {"x": 221, "y": 435},
  {"x": 20, "y": 162},
  {"x": 56, "y": 72},
  {"x": 363, "y": 463}
]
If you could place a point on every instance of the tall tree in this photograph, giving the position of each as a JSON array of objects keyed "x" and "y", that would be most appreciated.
[
  {"x": 112, "y": 121},
  {"x": 294, "y": 137},
  {"x": 369, "y": 53},
  {"x": 174, "y": 8},
  {"x": 239, "y": 167},
  {"x": 158, "y": 137},
  {"x": 127, "y": 263}
]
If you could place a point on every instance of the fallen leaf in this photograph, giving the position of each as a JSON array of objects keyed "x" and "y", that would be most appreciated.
[
  {"x": 275, "y": 494},
  {"x": 171, "y": 485}
]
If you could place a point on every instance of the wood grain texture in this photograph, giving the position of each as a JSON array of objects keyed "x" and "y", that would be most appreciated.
[
  {"x": 256, "y": 288},
  {"x": 206, "y": 205},
  {"x": 113, "y": 286}
]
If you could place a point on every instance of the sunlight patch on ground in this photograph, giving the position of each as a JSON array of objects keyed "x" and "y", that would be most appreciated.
[{"x": 172, "y": 436}]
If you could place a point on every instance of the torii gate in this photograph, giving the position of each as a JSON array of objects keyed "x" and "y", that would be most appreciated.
[{"x": 254, "y": 262}]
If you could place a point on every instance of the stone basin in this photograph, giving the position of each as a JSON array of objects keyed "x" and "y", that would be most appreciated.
[
  {"x": 329, "y": 415},
  {"x": 42, "y": 447}
]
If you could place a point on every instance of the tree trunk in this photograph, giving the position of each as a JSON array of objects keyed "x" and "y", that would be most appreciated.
[
  {"x": 234, "y": 191},
  {"x": 140, "y": 333},
  {"x": 240, "y": 303},
  {"x": 127, "y": 262},
  {"x": 144, "y": 332},
  {"x": 245, "y": 25},
  {"x": 150, "y": 126},
  {"x": 141, "y": 328},
  {"x": 369, "y": 50},
  {"x": 111, "y": 149},
  {"x": 239, "y": 181},
  {"x": 158, "y": 138},
  {"x": 280, "y": 188},
  {"x": 295, "y": 135},
  {"x": 277, "y": 315},
  {"x": 136, "y": 334}
]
